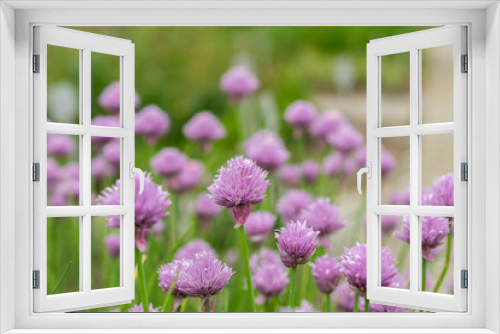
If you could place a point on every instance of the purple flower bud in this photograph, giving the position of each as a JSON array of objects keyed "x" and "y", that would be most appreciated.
[
  {"x": 291, "y": 174},
  {"x": 238, "y": 83},
  {"x": 152, "y": 122},
  {"x": 292, "y": 203},
  {"x": 264, "y": 257},
  {"x": 112, "y": 242},
  {"x": 345, "y": 138},
  {"x": 188, "y": 178},
  {"x": 332, "y": 163},
  {"x": 296, "y": 243},
  {"x": 310, "y": 171},
  {"x": 111, "y": 151},
  {"x": 204, "y": 128},
  {"x": 267, "y": 150},
  {"x": 239, "y": 185},
  {"x": 326, "y": 123},
  {"x": 300, "y": 115},
  {"x": 206, "y": 210},
  {"x": 259, "y": 226},
  {"x": 168, "y": 162},
  {"x": 189, "y": 251},
  {"x": 110, "y": 98},
  {"x": 140, "y": 309},
  {"x": 305, "y": 307},
  {"x": 59, "y": 145},
  {"x": 326, "y": 273},
  {"x": 270, "y": 280},
  {"x": 102, "y": 168}
]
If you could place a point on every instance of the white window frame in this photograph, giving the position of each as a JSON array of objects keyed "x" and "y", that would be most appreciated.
[{"x": 483, "y": 21}]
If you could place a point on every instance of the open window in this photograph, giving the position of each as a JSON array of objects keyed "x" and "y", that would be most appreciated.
[
  {"x": 62, "y": 199},
  {"x": 424, "y": 217}
]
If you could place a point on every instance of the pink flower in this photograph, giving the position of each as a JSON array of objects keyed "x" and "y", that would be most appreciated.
[
  {"x": 326, "y": 273},
  {"x": 140, "y": 309},
  {"x": 310, "y": 170},
  {"x": 110, "y": 98},
  {"x": 106, "y": 121},
  {"x": 238, "y": 83},
  {"x": 326, "y": 123},
  {"x": 300, "y": 115},
  {"x": 206, "y": 210},
  {"x": 102, "y": 168},
  {"x": 270, "y": 280},
  {"x": 112, "y": 242},
  {"x": 59, "y": 145},
  {"x": 305, "y": 307},
  {"x": 204, "y": 128},
  {"x": 267, "y": 150},
  {"x": 111, "y": 151},
  {"x": 332, "y": 163},
  {"x": 189, "y": 251},
  {"x": 168, "y": 162},
  {"x": 259, "y": 226},
  {"x": 296, "y": 243},
  {"x": 292, "y": 203},
  {"x": 323, "y": 217},
  {"x": 264, "y": 257},
  {"x": 291, "y": 174},
  {"x": 188, "y": 178},
  {"x": 345, "y": 138},
  {"x": 152, "y": 122}
]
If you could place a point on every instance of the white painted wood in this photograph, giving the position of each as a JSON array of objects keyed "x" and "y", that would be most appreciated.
[
  {"x": 86, "y": 297},
  {"x": 413, "y": 43}
]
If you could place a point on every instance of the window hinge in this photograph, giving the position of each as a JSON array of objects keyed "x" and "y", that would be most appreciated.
[
  {"x": 36, "y": 279},
  {"x": 465, "y": 64},
  {"x": 464, "y": 172},
  {"x": 36, "y": 172},
  {"x": 36, "y": 63},
  {"x": 464, "y": 279}
]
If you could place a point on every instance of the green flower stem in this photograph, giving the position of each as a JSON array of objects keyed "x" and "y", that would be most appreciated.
[
  {"x": 356, "y": 303},
  {"x": 58, "y": 284},
  {"x": 446, "y": 264},
  {"x": 246, "y": 260},
  {"x": 207, "y": 306},
  {"x": 293, "y": 283},
  {"x": 336, "y": 302},
  {"x": 424, "y": 273},
  {"x": 328, "y": 303},
  {"x": 367, "y": 305},
  {"x": 142, "y": 281},
  {"x": 169, "y": 293}
]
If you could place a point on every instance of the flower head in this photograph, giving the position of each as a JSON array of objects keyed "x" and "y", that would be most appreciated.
[
  {"x": 291, "y": 174},
  {"x": 400, "y": 197},
  {"x": 150, "y": 207},
  {"x": 111, "y": 151},
  {"x": 206, "y": 209},
  {"x": 239, "y": 185},
  {"x": 305, "y": 307},
  {"x": 166, "y": 275},
  {"x": 238, "y": 83},
  {"x": 112, "y": 243},
  {"x": 300, "y": 114},
  {"x": 263, "y": 258},
  {"x": 168, "y": 162},
  {"x": 152, "y": 122},
  {"x": 332, "y": 163},
  {"x": 259, "y": 226},
  {"x": 188, "y": 178},
  {"x": 102, "y": 168},
  {"x": 443, "y": 191},
  {"x": 139, "y": 308},
  {"x": 189, "y": 251},
  {"x": 387, "y": 160},
  {"x": 267, "y": 150},
  {"x": 322, "y": 216},
  {"x": 326, "y": 273},
  {"x": 53, "y": 173},
  {"x": 291, "y": 204},
  {"x": 110, "y": 98},
  {"x": 310, "y": 171},
  {"x": 204, "y": 128},
  {"x": 68, "y": 185},
  {"x": 326, "y": 123},
  {"x": 59, "y": 145},
  {"x": 270, "y": 280},
  {"x": 296, "y": 243},
  {"x": 345, "y": 138},
  {"x": 106, "y": 121}
]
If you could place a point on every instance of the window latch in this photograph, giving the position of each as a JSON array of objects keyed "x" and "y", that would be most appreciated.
[
  {"x": 368, "y": 171},
  {"x": 132, "y": 171}
]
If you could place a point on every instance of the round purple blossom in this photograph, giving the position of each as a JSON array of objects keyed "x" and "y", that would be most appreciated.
[
  {"x": 111, "y": 151},
  {"x": 291, "y": 174},
  {"x": 345, "y": 138},
  {"x": 291, "y": 204},
  {"x": 188, "y": 178},
  {"x": 110, "y": 98},
  {"x": 322, "y": 216},
  {"x": 204, "y": 128},
  {"x": 326, "y": 123},
  {"x": 332, "y": 163},
  {"x": 152, "y": 122},
  {"x": 296, "y": 243},
  {"x": 305, "y": 307},
  {"x": 300, "y": 115},
  {"x": 189, "y": 251},
  {"x": 140, "y": 309},
  {"x": 270, "y": 280},
  {"x": 204, "y": 277},
  {"x": 326, "y": 273},
  {"x": 387, "y": 160},
  {"x": 112, "y": 243},
  {"x": 350, "y": 166},
  {"x": 443, "y": 191},
  {"x": 67, "y": 188},
  {"x": 53, "y": 173},
  {"x": 264, "y": 257},
  {"x": 168, "y": 162},
  {"x": 106, "y": 121},
  {"x": 59, "y": 145},
  {"x": 353, "y": 263},
  {"x": 239, "y": 185},
  {"x": 238, "y": 83},
  {"x": 150, "y": 207},
  {"x": 400, "y": 197},
  {"x": 167, "y": 274},
  {"x": 206, "y": 210},
  {"x": 434, "y": 230},
  {"x": 388, "y": 223},
  {"x": 310, "y": 171},
  {"x": 267, "y": 150},
  {"x": 102, "y": 168},
  {"x": 259, "y": 226}
]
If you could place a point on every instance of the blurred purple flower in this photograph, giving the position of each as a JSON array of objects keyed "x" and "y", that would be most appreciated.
[
  {"x": 152, "y": 122},
  {"x": 267, "y": 150},
  {"x": 204, "y": 128},
  {"x": 400, "y": 197},
  {"x": 167, "y": 274},
  {"x": 102, "y": 168},
  {"x": 388, "y": 223},
  {"x": 434, "y": 230},
  {"x": 238, "y": 83},
  {"x": 59, "y": 145},
  {"x": 291, "y": 174},
  {"x": 188, "y": 178},
  {"x": 387, "y": 160},
  {"x": 239, "y": 185},
  {"x": 305, "y": 307},
  {"x": 326, "y": 123},
  {"x": 259, "y": 226},
  {"x": 332, "y": 163},
  {"x": 106, "y": 121},
  {"x": 310, "y": 170},
  {"x": 140, "y": 309},
  {"x": 168, "y": 162},
  {"x": 53, "y": 173},
  {"x": 206, "y": 210},
  {"x": 300, "y": 115},
  {"x": 350, "y": 166},
  {"x": 353, "y": 263},
  {"x": 326, "y": 273},
  {"x": 110, "y": 98},
  {"x": 443, "y": 191},
  {"x": 150, "y": 207},
  {"x": 112, "y": 243},
  {"x": 204, "y": 277},
  {"x": 111, "y": 151},
  {"x": 345, "y": 138},
  {"x": 189, "y": 251},
  {"x": 296, "y": 243},
  {"x": 291, "y": 204},
  {"x": 323, "y": 217},
  {"x": 68, "y": 186},
  {"x": 270, "y": 280},
  {"x": 264, "y": 257}
]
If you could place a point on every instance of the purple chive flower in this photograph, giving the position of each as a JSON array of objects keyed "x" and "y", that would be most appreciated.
[
  {"x": 166, "y": 276},
  {"x": 353, "y": 263},
  {"x": 323, "y": 217},
  {"x": 150, "y": 207},
  {"x": 434, "y": 231},
  {"x": 188, "y": 178},
  {"x": 270, "y": 280},
  {"x": 168, "y": 162},
  {"x": 305, "y": 307},
  {"x": 292, "y": 203},
  {"x": 400, "y": 197},
  {"x": 204, "y": 277},
  {"x": 206, "y": 210},
  {"x": 345, "y": 297},
  {"x": 310, "y": 171},
  {"x": 345, "y": 138},
  {"x": 350, "y": 166},
  {"x": 239, "y": 185},
  {"x": 238, "y": 83},
  {"x": 259, "y": 226},
  {"x": 332, "y": 163},
  {"x": 189, "y": 251},
  {"x": 204, "y": 128},
  {"x": 291, "y": 174},
  {"x": 140, "y": 309},
  {"x": 387, "y": 160},
  {"x": 106, "y": 121},
  {"x": 112, "y": 243},
  {"x": 152, "y": 122},
  {"x": 59, "y": 145},
  {"x": 326, "y": 123},
  {"x": 102, "y": 168},
  {"x": 53, "y": 173},
  {"x": 388, "y": 223},
  {"x": 300, "y": 115},
  {"x": 111, "y": 151},
  {"x": 443, "y": 191},
  {"x": 68, "y": 186},
  {"x": 110, "y": 98},
  {"x": 326, "y": 273},
  {"x": 296, "y": 243},
  {"x": 264, "y": 257},
  {"x": 267, "y": 150}
]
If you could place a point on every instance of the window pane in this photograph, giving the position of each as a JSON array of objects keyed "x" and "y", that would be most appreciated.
[
  {"x": 63, "y": 170},
  {"x": 105, "y": 92},
  {"x": 395, "y": 90},
  {"x": 437, "y": 84},
  {"x": 395, "y": 250},
  {"x": 63, "y": 255},
  {"x": 105, "y": 252},
  {"x": 105, "y": 167},
  {"x": 395, "y": 167},
  {"x": 63, "y": 84}
]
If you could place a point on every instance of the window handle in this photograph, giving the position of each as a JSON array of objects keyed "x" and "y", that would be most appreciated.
[
  {"x": 368, "y": 171},
  {"x": 139, "y": 171}
]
